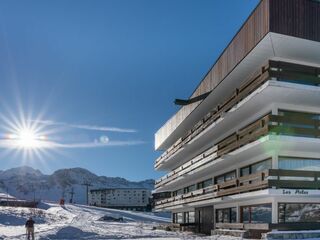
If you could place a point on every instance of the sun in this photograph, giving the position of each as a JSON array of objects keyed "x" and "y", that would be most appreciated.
[{"x": 26, "y": 138}]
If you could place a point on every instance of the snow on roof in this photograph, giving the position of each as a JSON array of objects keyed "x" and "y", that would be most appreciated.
[{"x": 5, "y": 196}]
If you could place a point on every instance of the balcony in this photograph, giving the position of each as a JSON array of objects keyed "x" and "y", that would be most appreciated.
[
  {"x": 270, "y": 124},
  {"x": 237, "y": 96},
  {"x": 272, "y": 178},
  {"x": 276, "y": 70}
]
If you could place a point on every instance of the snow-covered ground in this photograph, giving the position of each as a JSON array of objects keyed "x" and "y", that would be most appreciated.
[{"x": 83, "y": 222}]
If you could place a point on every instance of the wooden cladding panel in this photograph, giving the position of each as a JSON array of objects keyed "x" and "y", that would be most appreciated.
[
  {"x": 298, "y": 18},
  {"x": 255, "y": 28}
]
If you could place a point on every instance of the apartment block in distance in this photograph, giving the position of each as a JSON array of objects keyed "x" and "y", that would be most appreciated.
[
  {"x": 243, "y": 152},
  {"x": 136, "y": 199}
]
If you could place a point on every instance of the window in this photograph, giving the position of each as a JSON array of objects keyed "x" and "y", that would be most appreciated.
[
  {"x": 189, "y": 188},
  {"x": 204, "y": 184},
  {"x": 290, "y": 163},
  {"x": 174, "y": 218},
  {"x": 189, "y": 217},
  {"x": 256, "y": 213},
  {"x": 226, "y": 215},
  {"x": 225, "y": 177},
  {"x": 299, "y": 212},
  {"x": 177, "y": 192},
  {"x": 256, "y": 167},
  {"x": 298, "y": 123},
  {"x": 180, "y": 217}
]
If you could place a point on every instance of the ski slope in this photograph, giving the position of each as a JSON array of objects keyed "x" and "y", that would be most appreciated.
[{"x": 84, "y": 222}]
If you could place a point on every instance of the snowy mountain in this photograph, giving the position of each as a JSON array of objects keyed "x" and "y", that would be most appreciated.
[{"x": 28, "y": 183}]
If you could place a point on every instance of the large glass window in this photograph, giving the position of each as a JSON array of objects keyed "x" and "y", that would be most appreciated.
[
  {"x": 298, "y": 123},
  {"x": 256, "y": 167},
  {"x": 310, "y": 81},
  {"x": 180, "y": 217},
  {"x": 189, "y": 188},
  {"x": 257, "y": 213},
  {"x": 299, "y": 212},
  {"x": 189, "y": 217},
  {"x": 204, "y": 184},
  {"x": 290, "y": 163},
  {"x": 178, "y": 192},
  {"x": 226, "y": 215},
  {"x": 225, "y": 177},
  {"x": 174, "y": 218}
]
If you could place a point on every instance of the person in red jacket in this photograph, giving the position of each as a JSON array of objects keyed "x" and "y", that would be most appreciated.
[{"x": 30, "y": 228}]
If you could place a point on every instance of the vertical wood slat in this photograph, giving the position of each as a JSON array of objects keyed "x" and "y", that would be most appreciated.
[{"x": 298, "y": 18}]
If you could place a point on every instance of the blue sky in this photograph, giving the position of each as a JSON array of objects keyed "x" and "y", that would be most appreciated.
[{"x": 77, "y": 68}]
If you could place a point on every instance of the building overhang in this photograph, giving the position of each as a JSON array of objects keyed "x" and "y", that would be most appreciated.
[
  {"x": 275, "y": 93},
  {"x": 272, "y": 46},
  {"x": 264, "y": 147}
]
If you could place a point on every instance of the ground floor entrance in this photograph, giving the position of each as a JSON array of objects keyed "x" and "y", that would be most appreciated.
[{"x": 204, "y": 219}]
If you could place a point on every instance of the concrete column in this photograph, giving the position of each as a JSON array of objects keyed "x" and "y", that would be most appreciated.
[
  {"x": 238, "y": 213},
  {"x": 274, "y": 110},
  {"x": 274, "y": 211},
  {"x": 275, "y": 160}
]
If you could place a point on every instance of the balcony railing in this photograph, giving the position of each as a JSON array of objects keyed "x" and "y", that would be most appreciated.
[
  {"x": 194, "y": 196},
  {"x": 272, "y": 178},
  {"x": 237, "y": 96},
  {"x": 270, "y": 124},
  {"x": 275, "y": 69},
  {"x": 197, "y": 162}
]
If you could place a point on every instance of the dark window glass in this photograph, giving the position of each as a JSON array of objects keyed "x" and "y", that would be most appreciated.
[
  {"x": 298, "y": 127},
  {"x": 302, "y": 81},
  {"x": 186, "y": 217},
  {"x": 207, "y": 183},
  {"x": 233, "y": 217},
  {"x": 261, "y": 166},
  {"x": 291, "y": 163},
  {"x": 204, "y": 184},
  {"x": 191, "y": 217},
  {"x": 299, "y": 212},
  {"x": 225, "y": 177},
  {"x": 245, "y": 171},
  {"x": 256, "y": 167},
  {"x": 226, "y": 215},
  {"x": 220, "y": 179},
  {"x": 180, "y": 217},
  {"x": 192, "y": 188},
  {"x": 179, "y": 192},
  {"x": 230, "y": 176},
  {"x": 200, "y": 185},
  {"x": 219, "y": 215},
  {"x": 257, "y": 214},
  {"x": 174, "y": 218},
  {"x": 245, "y": 214}
]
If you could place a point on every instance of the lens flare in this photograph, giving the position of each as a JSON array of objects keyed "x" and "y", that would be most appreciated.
[{"x": 27, "y": 138}]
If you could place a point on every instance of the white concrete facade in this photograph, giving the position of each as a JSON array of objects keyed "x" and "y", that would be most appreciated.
[
  {"x": 276, "y": 97},
  {"x": 125, "y": 198}
]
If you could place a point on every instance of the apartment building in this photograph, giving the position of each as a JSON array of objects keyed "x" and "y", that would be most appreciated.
[
  {"x": 136, "y": 199},
  {"x": 243, "y": 152}
]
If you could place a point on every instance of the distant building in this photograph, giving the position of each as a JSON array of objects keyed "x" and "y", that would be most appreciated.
[
  {"x": 136, "y": 199},
  {"x": 6, "y": 197},
  {"x": 11, "y": 201}
]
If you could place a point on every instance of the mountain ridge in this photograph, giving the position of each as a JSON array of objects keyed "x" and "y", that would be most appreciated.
[{"x": 28, "y": 183}]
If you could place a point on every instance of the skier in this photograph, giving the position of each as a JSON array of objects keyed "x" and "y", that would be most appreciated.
[{"x": 30, "y": 228}]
